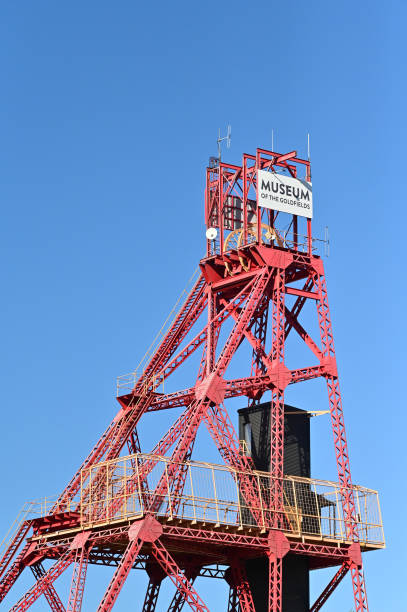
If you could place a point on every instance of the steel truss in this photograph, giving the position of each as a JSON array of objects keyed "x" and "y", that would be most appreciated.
[
  {"x": 44, "y": 582},
  {"x": 50, "y": 593},
  {"x": 248, "y": 283},
  {"x": 178, "y": 601},
  {"x": 156, "y": 576},
  {"x": 340, "y": 574},
  {"x": 241, "y": 586},
  {"x": 233, "y": 600},
  {"x": 78, "y": 579},
  {"x": 120, "y": 575}
]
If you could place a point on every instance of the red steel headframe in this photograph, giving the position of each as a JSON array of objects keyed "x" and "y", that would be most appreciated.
[{"x": 249, "y": 269}]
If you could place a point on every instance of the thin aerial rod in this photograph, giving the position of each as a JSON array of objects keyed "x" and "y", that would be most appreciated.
[{"x": 222, "y": 138}]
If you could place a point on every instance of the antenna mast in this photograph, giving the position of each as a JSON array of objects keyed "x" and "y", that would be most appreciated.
[{"x": 222, "y": 138}]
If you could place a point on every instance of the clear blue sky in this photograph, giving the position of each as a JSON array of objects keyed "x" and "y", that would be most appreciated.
[{"x": 101, "y": 101}]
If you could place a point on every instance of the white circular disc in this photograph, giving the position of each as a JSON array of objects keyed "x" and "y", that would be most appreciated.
[{"x": 211, "y": 233}]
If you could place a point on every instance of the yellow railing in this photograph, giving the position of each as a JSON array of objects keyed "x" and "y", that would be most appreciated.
[
  {"x": 126, "y": 383},
  {"x": 30, "y": 510},
  {"x": 125, "y": 488}
]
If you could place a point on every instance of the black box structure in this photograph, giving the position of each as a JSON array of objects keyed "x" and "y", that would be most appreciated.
[{"x": 254, "y": 429}]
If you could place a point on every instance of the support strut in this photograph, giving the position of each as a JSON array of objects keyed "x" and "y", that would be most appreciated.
[
  {"x": 275, "y": 583},
  {"x": 331, "y": 586},
  {"x": 78, "y": 580},
  {"x": 50, "y": 593},
  {"x": 177, "y": 603},
  {"x": 233, "y": 600},
  {"x": 43, "y": 583},
  {"x": 242, "y": 586},
  {"x": 183, "y": 585},
  {"x": 120, "y": 575},
  {"x": 153, "y": 589}
]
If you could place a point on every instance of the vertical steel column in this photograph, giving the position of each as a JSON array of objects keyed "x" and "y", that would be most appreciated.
[
  {"x": 239, "y": 579},
  {"x": 275, "y": 583},
  {"x": 78, "y": 580},
  {"x": 207, "y": 205},
  {"x": 277, "y": 438},
  {"x": 233, "y": 601},
  {"x": 359, "y": 588},
  {"x": 153, "y": 590},
  {"x": 260, "y": 332},
  {"x": 277, "y": 403},
  {"x": 340, "y": 442},
  {"x": 244, "y": 199},
  {"x": 156, "y": 576},
  {"x": 220, "y": 208}
]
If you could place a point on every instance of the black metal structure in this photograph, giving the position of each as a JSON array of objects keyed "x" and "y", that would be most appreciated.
[{"x": 254, "y": 429}]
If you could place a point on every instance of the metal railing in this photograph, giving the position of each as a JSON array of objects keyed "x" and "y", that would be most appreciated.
[
  {"x": 127, "y": 382},
  {"x": 125, "y": 489},
  {"x": 286, "y": 239},
  {"x": 30, "y": 510},
  {"x": 320, "y": 246}
]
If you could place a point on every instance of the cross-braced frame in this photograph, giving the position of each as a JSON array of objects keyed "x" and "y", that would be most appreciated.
[{"x": 241, "y": 296}]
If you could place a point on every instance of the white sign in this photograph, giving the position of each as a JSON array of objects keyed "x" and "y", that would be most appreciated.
[{"x": 284, "y": 193}]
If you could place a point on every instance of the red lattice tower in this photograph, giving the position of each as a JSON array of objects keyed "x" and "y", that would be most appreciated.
[{"x": 260, "y": 254}]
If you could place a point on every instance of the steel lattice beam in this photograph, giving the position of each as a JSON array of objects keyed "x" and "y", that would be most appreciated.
[
  {"x": 14, "y": 545},
  {"x": 181, "y": 582},
  {"x": 233, "y": 600},
  {"x": 78, "y": 580},
  {"x": 153, "y": 590},
  {"x": 120, "y": 575},
  {"x": 245, "y": 282},
  {"x": 177, "y": 603},
  {"x": 200, "y": 406},
  {"x": 340, "y": 442},
  {"x": 277, "y": 403},
  {"x": 241, "y": 584},
  {"x": 13, "y": 572},
  {"x": 275, "y": 584},
  {"x": 43, "y": 583},
  {"x": 50, "y": 593},
  {"x": 329, "y": 589},
  {"x": 113, "y": 438}
]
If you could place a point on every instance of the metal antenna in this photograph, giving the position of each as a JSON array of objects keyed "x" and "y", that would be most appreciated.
[
  {"x": 222, "y": 138},
  {"x": 308, "y": 147},
  {"x": 272, "y": 140}
]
